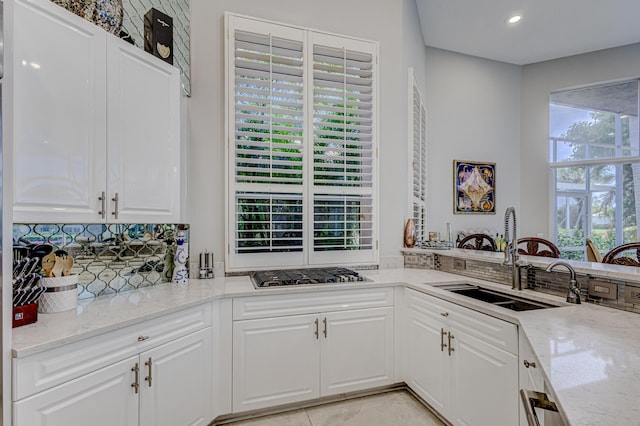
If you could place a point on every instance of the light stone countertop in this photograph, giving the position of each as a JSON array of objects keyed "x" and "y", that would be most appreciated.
[{"x": 589, "y": 355}]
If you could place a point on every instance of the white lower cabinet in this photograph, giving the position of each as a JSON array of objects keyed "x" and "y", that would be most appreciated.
[
  {"x": 275, "y": 360},
  {"x": 102, "y": 398},
  {"x": 357, "y": 350},
  {"x": 162, "y": 377},
  {"x": 175, "y": 382},
  {"x": 461, "y": 362},
  {"x": 293, "y": 358},
  {"x": 428, "y": 363}
]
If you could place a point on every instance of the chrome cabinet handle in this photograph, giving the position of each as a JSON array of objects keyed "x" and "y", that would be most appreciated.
[
  {"x": 528, "y": 364},
  {"x": 449, "y": 341},
  {"x": 324, "y": 321},
  {"x": 103, "y": 210},
  {"x": 148, "y": 378},
  {"x": 532, "y": 400},
  {"x": 317, "y": 329},
  {"x": 442, "y": 343},
  {"x": 142, "y": 338},
  {"x": 136, "y": 381},
  {"x": 444, "y": 314},
  {"x": 115, "y": 200}
]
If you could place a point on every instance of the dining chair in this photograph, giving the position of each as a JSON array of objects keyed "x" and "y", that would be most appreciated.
[
  {"x": 620, "y": 255},
  {"x": 593, "y": 254},
  {"x": 538, "y": 247},
  {"x": 478, "y": 242}
]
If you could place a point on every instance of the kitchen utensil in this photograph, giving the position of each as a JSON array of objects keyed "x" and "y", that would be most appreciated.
[
  {"x": 32, "y": 280},
  {"x": 60, "y": 263},
  {"x": 67, "y": 265},
  {"x": 25, "y": 268},
  {"x": 56, "y": 271},
  {"x": 31, "y": 265},
  {"x": 18, "y": 297},
  {"x": 17, "y": 284},
  {"x": 48, "y": 262},
  {"x": 17, "y": 266},
  {"x": 41, "y": 250},
  {"x": 34, "y": 295}
]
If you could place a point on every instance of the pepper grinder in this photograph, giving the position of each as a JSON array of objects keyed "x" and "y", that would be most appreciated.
[{"x": 206, "y": 265}]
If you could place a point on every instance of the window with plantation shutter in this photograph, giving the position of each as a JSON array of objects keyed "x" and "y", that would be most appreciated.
[
  {"x": 418, "y": 166},
  {"x": 302, "y": 146}
]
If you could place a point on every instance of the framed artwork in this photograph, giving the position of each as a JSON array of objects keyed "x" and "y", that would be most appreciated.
[{"x": 474, "y": 187}]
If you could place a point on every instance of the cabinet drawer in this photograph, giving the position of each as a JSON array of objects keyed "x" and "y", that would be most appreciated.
[
  {"x": 498, "y": 333},
  {"x": 303, "y": 303},
  {"x": 44, "y": 370}
]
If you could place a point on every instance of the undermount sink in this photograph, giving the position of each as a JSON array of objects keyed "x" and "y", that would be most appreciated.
[{"x": 495, "y": 297}]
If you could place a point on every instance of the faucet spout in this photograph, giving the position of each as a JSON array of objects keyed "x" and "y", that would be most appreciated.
[
  {"x": 511, "y": 256},
  {"x": 573, "y": 294}
]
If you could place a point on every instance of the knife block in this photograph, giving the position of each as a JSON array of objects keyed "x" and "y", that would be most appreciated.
[{"x": 25, "y": 314}]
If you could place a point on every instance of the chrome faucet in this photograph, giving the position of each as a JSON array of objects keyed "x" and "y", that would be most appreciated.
[
  {"x": 511, "y": 256},
  {"x": 573, "y": 294}
]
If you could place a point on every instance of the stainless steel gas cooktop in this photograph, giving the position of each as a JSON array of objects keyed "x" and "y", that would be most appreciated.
[{"x": 277, "y": 278}]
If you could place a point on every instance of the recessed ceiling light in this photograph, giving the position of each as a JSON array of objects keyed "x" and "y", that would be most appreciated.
[{"x": 514, "y": 19}]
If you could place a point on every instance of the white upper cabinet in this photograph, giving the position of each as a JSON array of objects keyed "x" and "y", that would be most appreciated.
[
  {"x": 59, "y": 114},
  {"x": 143, "y": 129},
  {"x": 96, "y": 123}
]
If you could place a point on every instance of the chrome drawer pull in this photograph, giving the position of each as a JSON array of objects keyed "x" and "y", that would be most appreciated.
[
  {"x": 115, "y": 199},
  {"x": 450, "y": 347},
  {"x": 148, "y": 378},
  {"x": 528, "y": 364},
  {"x": 103, "y": 199},
  {"x": 136, "y": 381},
  {"x": 442, "y": 343}
]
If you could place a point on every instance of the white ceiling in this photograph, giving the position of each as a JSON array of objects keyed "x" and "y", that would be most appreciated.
[{"x": 549, "y": 29}]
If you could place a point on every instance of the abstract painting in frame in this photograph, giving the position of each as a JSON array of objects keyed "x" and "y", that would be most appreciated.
[{"x": 474, "y": 190}]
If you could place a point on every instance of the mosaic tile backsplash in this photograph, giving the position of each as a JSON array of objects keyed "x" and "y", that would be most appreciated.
[
  {"x": 555, "y": 283},
  {"x": 108, "y": 258}
]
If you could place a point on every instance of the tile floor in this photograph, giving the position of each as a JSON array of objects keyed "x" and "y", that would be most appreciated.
[{"x": 397, "y": 408}]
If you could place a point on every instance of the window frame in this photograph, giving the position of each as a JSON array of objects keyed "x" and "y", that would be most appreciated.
[
  {"x": 310, "y": 254},
  {"x": 618, "y": 161}
]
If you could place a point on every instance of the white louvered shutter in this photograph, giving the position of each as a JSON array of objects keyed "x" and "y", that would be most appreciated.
[
  {"x": 418, "y": 149},
  {"x": 267, "y": 97},
  {"x": 343, "y": 149}
]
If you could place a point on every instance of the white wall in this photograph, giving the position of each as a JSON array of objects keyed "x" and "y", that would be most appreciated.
[
  {"x": 382, "y": 21},
  {"x": 473, "y": 113},
  {"x": 538, "y": 81}
]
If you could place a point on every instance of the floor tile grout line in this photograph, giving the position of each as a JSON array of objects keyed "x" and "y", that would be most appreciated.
[{"x": 306, "y": 413}]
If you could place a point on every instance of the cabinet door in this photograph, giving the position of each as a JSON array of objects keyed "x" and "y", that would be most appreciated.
[
  {"x": 356, "y": 350},
  {"x": 143, "y": 147},
  {"x": 59, "y": 118},
  {"x": 175, "y": 382},
  {"x": 275, "y": 361},
  {"x": 102, "y": 398},
  {"x": 484, "y": 383},
  {"x": 428, "y": 360}
]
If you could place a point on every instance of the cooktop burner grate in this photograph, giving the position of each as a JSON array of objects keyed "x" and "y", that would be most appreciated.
[{"x": 276, "y": 278}]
